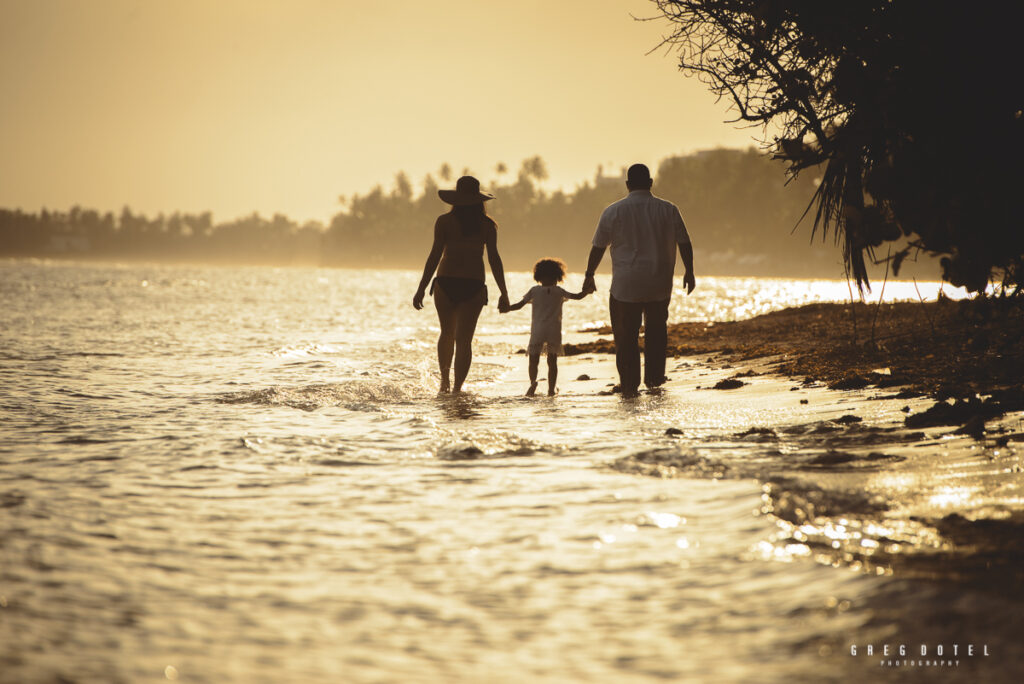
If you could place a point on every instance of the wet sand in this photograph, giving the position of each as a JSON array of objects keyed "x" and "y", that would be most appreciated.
[
  {"x": 899, "y": 450},
  {"x": 943, "y": 349}
]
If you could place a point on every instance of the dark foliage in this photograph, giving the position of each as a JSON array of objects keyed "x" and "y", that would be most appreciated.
[
  {"x": 740, "y": 211},
  {"x": 910, "y": 112},
  {"x": 87, "y": 234}
]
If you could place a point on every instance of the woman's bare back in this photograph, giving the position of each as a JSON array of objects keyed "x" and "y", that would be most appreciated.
[{"x": 463, "y": 254}]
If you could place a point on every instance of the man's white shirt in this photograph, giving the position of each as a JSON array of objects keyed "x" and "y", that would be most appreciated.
[{"x": 642, "y": 231}]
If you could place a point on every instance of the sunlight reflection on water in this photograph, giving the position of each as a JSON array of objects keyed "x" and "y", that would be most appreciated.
[
  {"x": 238, "y": 474},
  {"x": 717, "y": 299}
]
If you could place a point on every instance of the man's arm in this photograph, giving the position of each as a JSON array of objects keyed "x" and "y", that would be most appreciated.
[
  {"x": 686, "y": 253},
  {"x": 593, "y": 261},
  {"x": 685, "y": 248}
]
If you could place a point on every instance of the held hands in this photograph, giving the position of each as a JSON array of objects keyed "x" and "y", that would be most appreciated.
[
  {"x": 589, "y": 286},
  {"x": 503, "y": 305}
]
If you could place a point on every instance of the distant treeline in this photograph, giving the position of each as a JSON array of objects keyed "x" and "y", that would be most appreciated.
[
  {"x": 739, "y": 209},
  {"x": 88, "y": 234}
]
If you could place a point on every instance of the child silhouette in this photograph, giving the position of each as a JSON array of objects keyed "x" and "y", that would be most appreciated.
[{"x": 546, "y": 327}]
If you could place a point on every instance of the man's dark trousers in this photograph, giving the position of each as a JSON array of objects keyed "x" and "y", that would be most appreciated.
[{"x": 626, "y": 320}]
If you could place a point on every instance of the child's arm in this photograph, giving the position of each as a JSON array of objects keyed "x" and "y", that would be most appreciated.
[
  {"x": 573, "y": 295},
  {"x": 522, "y": 302}
]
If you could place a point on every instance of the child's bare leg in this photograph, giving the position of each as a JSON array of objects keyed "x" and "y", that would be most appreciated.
[
  {"x": 534, "y": 362},
  {"x": 552, "y": 373},
  {"x": 446, "y": 340}
]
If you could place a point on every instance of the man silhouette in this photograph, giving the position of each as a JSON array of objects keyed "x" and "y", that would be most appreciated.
[{"x": 643, "y": 232}]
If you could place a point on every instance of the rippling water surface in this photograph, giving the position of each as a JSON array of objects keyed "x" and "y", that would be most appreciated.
[{"x": 246, "y": 474}]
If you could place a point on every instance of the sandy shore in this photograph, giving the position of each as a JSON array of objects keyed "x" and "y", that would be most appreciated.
[
  {"x": 900, "y": 449},
  {"x": 945, "y": 350}
]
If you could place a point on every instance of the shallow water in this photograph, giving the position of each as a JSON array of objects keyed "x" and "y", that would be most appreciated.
[{"x": 245, "y": 474}]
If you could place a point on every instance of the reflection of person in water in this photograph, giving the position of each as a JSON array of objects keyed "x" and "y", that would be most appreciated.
[{"x": 460, "y": 237}]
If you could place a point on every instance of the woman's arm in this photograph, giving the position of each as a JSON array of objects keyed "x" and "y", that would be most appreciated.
[
  {"x": 433, "y": 259},
  {"x": 497, "y": 269}
]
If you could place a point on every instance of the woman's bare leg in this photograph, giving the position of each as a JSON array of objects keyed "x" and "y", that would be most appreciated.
[
  {"x": 446, "y": 316},
  {"x": 466, "y": 315}
]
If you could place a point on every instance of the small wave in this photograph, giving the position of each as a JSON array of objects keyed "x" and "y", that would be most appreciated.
[
  {"x": 852, "y": 529},
  {"x": 991, "y": 538},
  {"x": 12, "y": 499},
  {"x": 9, "y": 356},
  {"x": 79, "y": 440},
  {"x": 844, "y": 460},
  {"x": 340, "y": 463},
  {"x": 200, "y": 466},
  {"x": 14, "y": 356},
  {"x": 352, "y": 394},
  {"x": 99, "y": 457},
  {"x": 841, "y": 527},
  {"x": 311, "y": 364},
  {"x": 490, "y": 444},
  {"x": 301, "y": 350},
  {"x": 81, "y": 395},
  {"x": 799, "y": 501},
  {"x": 848, "y": 431},
  {"x": 671, "y": 462},
  {"x": 92, "y": 353},
  {"x": 757, "y": 434}
]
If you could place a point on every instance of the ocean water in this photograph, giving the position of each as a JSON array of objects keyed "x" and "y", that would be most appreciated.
[{"x": 246, "y": 475}]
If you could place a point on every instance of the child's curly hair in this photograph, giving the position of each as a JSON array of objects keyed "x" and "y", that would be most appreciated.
[{"x": 549, "y": 268}]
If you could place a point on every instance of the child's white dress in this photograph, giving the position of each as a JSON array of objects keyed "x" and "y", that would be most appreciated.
[{"x": 546, "y": 328}]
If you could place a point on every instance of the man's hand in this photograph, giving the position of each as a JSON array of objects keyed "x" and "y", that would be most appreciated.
[
  {"x": 503, "y": 306},
  {"x": 689, "y": 282},
  {"x": 593, "y": 260}
]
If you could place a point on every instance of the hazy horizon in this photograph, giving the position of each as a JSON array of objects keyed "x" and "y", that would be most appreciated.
[
  {"x": 273, "y": 107},
  {"x": 489, "y": 180}
]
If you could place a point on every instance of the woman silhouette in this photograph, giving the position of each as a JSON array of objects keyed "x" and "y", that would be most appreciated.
[{"x": 460, "y": 237}]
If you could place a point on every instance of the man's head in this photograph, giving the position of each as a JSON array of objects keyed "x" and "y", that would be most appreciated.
[{"x": 638, "y": 177}]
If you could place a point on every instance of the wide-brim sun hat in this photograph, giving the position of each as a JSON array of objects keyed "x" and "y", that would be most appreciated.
[{"x": 467, "y": 191}]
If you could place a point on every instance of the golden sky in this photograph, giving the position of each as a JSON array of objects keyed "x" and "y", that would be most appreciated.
[{"x": 283, "y": 105}]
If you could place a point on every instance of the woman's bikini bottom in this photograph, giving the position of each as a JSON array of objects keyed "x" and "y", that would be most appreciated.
[{"x": 459, "y": 290}]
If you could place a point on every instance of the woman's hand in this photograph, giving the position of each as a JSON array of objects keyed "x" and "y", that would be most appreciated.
[
  {"x": 503, "y": 306},
  {"x": 417, "y": 299}
]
